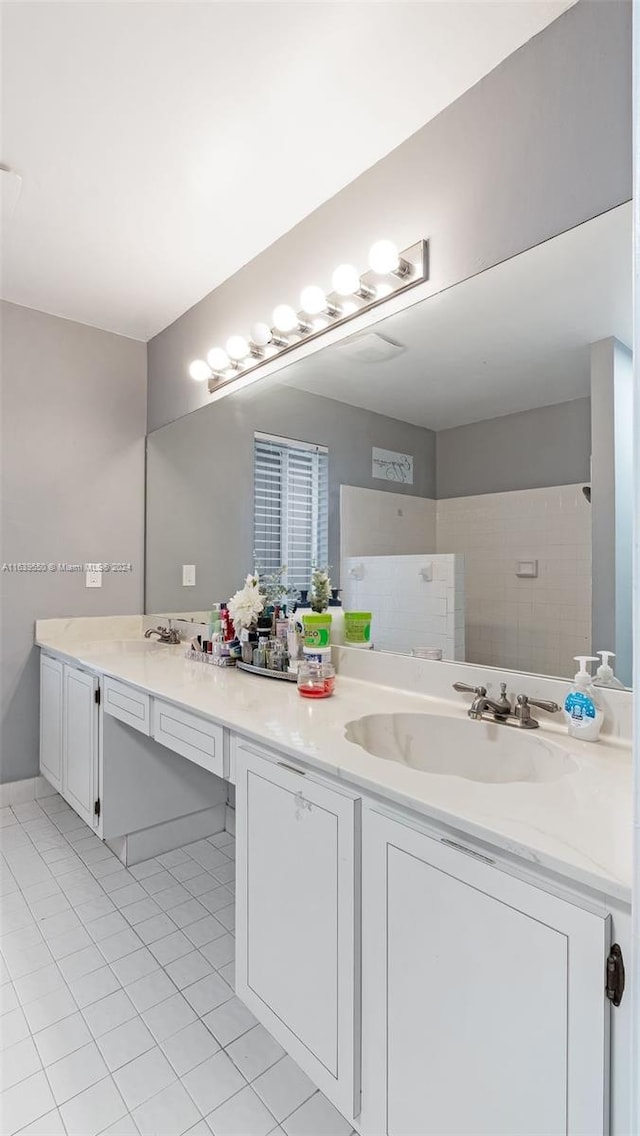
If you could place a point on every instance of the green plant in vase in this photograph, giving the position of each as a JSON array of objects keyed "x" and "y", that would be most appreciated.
[{"x": 320, "y": 589}]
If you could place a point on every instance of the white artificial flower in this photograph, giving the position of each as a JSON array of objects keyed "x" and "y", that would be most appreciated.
[{"x": 246, "y": 605}]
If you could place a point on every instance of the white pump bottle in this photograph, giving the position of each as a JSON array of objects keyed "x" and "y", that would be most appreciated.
[{"x": 581, "y": 710}]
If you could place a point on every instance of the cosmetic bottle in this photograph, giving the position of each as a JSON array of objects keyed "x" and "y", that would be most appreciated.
[
  {"x": 581, "y": 709},
  {"x": 604, "y": 673}
]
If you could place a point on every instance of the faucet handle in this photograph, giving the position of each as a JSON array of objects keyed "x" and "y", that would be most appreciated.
[
  {"x": 462, "y": 688},
  {"x": 541, "y": 703}
]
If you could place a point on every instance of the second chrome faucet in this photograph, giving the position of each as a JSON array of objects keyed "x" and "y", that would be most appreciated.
[{"x": 485, "y": 709}]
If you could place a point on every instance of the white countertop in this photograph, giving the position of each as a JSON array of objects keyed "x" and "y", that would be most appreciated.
[{"x": 579, "y": 826}]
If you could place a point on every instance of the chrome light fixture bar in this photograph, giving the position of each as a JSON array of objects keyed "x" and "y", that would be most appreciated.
[{"x": 390, "y": 273}]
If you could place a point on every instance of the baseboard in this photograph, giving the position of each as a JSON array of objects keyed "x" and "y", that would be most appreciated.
[
  {"x": 29, "y": 789},
  {"x": 164, "y": 837}
]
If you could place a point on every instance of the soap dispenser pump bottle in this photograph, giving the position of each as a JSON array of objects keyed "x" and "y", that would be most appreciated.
[
  {"x": 581, "y": 710},
  {"x": 604, "y": 673}
]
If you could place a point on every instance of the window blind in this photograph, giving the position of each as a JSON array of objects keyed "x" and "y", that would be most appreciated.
[{"x": 291, "y": 507}]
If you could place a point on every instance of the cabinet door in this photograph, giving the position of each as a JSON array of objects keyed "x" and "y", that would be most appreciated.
[
  {"x": 483, "y": 997},
  {"x": 80, "y": 742},
  {"x": 297, "y": 932},
  {"x": 51, "y": 720}
]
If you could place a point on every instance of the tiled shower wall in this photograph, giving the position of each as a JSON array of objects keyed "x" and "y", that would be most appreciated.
[
  {"x": 523, "y": 624},
  {"x": 417, "y": 601}
]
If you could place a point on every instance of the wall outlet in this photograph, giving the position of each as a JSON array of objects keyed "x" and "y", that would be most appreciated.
[
  {"x": 93, "y": 578},
  {"x": 188, "y": 575}
]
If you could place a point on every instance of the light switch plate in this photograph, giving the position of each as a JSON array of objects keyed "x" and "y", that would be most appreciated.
[
  {"x": 93, "y": 578},
  {"x": 188, "y": 575}
]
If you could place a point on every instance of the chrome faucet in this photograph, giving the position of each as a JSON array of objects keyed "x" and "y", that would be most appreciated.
[
  {"x": 165, "y": 634},
  {"x": 484, "y": 709}
]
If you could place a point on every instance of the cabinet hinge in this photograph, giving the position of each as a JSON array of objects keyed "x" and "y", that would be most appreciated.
[
  {"x": 96, "y": 807},
  {"x": 614, "y": 987},
  {"x": 96, "y": 695}
]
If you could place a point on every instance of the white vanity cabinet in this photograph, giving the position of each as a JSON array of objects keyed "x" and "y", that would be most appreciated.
[
  {"x": 69, "y": 734},
  {"x": 298, "y": 943},
  {"x": 483, "y": 996}
]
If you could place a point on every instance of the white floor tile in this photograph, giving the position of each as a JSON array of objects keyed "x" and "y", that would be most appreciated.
[
  {"x": 135, "y": 913},
  {"x": 190, "y": 911},
  {"x": 166, "y": 1018},
  {"x": 81, "y": 962},
  {"x": 230, "y": 1021},
  {"x": 283, "y": 1088},
  {"x": 213, "y": 1082},
  {"x": 51, "y": 1008},
  {"x": 171, "y": 859},
  {"x": 107, "y": 925},
  {"x": 207, "y": 993},
  {"x": 76, "y": 1072},
  {"x": 8, "y": 999},
  {"x": 25, "y": 1102},
  {"x": 125, "y": 1043},
  {"x": 148, "y": 991},
  {"x": 109, "y": 1012},
  {"x": 145, "y": 869},
  {"x": 38, "y": 983},
  {"x": 14, "y": 1029},
  {"x": 150, "y": 930},
  {"x": 172, "y": 896},
  {"x": 171, "y": 947},
  {"x": 94, "y": 909},
  {"x": 170, "y": 1113},
  {"x": 129, "y": 894},
  {"x": 188, "y": 969},
  {"x": 221, "y": 951},
  {"x": 134, "y": 966},
  {"x": 94, "y": 1110},
  {"x": 124, "y": 1127},
  {"x": 64, "y": 1037},
  {"x": 189, "y": 1047},
  {"x": 158, "y": 881},
  {"x": 142, "y": 1078},
  {"x": 117, "y": 946},
  {"x": 216, "y": 899},
  {"x": 18, "y": 1062},
  {"x": 92, "y": 987},
  {"x": 205, "y": 931},
  {"x": 316, "y": 1117},
  {"x": 228, "y": 972},
  {"x": 48, "y": 1125},
  {"x": 243, "y": 1113},
  {"x": 186, "y": 871},
  {"x": 255, "y": 1052}
]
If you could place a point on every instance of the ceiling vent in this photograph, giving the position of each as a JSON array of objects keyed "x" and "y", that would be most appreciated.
[{"x": 370, "y": 347}]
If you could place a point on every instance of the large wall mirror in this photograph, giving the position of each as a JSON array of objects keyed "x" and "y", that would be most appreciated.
[{"x": 464, "y": 467}]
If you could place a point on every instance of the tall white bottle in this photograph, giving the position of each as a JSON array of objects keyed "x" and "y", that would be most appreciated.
[{"x": 581, "y": 709}]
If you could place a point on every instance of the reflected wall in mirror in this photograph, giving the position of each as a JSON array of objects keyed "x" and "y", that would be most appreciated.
[{"x": 464, "y": 465}]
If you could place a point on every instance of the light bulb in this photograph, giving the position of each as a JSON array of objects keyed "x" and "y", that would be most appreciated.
[
  {"x": 313, "y": 300},
  {"x": 218, "y": 359},
  {"x": 199, "y": 370},
  {"x": 345, "y": 280},
  {"x": 285, "y": 319},
  {"x": 261, "y": 334},
  {"x": 237, "y": 347},
  {"x": 383, "y": 257}
]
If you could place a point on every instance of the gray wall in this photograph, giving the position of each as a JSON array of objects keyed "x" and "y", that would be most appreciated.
[
  {"x": 538, "y": 146},
  {"x": 73, "y": 424},
  {"x": 550, "y": 445},
  {"x": 200, "y": 483}
]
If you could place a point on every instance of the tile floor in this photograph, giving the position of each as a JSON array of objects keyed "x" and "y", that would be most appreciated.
[{"x": 116, "y": 995}]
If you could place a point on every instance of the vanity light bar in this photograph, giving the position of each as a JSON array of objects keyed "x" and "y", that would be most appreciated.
[{"x": 390, "y": 273}]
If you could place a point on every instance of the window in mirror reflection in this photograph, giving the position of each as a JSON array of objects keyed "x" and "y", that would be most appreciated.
[{"x": 290, "y": 507}]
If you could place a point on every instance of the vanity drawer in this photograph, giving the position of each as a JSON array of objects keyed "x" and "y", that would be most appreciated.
[
  {"x": 189, "y": 735},
  {"x": 131, "y": 706}
]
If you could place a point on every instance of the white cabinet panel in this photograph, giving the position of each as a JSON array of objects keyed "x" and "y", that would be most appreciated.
[
  {"x": 51, "y": 696},
  {"x": 297, "y": 918},
  {"x": 128, "y": 704},
  {"x": 189, "y": 735},
  {"x": 80, "y": 742},
  {"x": 483, "y": 997}
]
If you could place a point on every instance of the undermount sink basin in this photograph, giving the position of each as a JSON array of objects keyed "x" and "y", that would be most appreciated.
[{"x": 454, "y": 747}]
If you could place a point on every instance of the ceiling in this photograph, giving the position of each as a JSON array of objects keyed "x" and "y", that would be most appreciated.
[
  {"x": 512, "y": 338},
  {"x": 142, "y": 132}
]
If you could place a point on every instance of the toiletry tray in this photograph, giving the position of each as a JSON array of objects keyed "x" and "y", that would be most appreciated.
[{"x": 285, "y": 676}]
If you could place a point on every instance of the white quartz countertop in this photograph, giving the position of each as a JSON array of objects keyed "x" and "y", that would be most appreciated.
[{"x": 579, "y": 826}]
